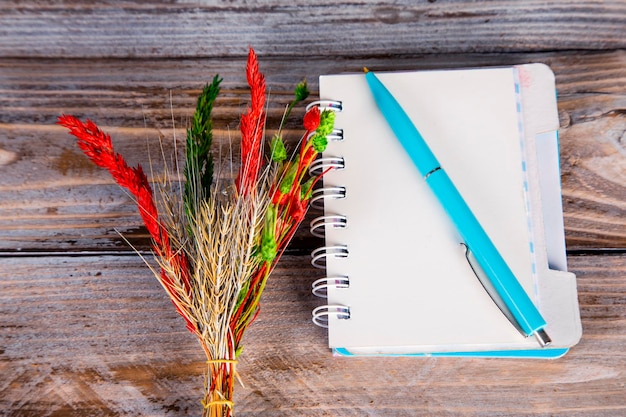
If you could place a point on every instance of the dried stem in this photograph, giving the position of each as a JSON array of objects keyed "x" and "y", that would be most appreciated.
[{"x": 219, "y": 387}]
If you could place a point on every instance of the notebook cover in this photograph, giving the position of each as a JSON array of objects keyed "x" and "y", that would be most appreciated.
[{"x": 410, "y": 285}]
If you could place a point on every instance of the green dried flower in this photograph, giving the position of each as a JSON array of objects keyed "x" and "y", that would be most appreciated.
[
  {"x": 287, "y": 182},
  {"x": 302, "y": 91},
  {"x": 269, "y": 246},
  {"x": 198, "y": 159},
  {"x": 327, "y": 123},
  {"x": 319, "y": 142},
  {"x": 279, "y": 153},
  {"x": 307, "y": 189}
]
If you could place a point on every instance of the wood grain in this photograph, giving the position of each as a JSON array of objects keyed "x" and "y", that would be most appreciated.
[
  {"x": 52, "y": 198},
  {"x": 136, "y": 29},
  {"x": 97, "y": 336},
  {"x": 85, "y": 330}
]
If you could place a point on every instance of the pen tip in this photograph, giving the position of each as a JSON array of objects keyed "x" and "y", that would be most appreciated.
[
  {"x": 543, "y": 338},
  {"x": 365, "y": 70}
]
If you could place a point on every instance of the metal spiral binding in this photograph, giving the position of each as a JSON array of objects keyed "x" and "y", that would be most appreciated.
[
  {"x": 335, "y": 136},
  {"x": 319, "y": 255},
  {"x": 322, "y": 313},
  {"x": 333, "y": 105},
  {"x": 323, "y": 164},
  {"x": 320, "y": 194},
  {"x": 337, "y": 221},
  {"x": 320, "y": 287}
]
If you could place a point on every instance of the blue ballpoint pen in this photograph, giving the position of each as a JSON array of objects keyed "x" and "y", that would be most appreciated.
[{"x": 501, "y": 280}]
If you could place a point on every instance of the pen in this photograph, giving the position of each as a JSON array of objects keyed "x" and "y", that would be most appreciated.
[{"x": 500, "y": 279}]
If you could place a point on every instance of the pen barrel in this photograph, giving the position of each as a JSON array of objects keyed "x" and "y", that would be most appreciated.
[
  {"x": 402, "y": 126},
  {"x": 488, "y": 257}
]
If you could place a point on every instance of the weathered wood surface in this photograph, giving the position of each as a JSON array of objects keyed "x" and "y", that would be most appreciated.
[
  {"x": 95, "y": 336},
  {"x": 131, "y": 29},
  {"x": 54, "y": 199}
]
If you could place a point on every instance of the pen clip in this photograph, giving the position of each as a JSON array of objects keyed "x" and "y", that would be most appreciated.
[{"x": 486, "y": 283}]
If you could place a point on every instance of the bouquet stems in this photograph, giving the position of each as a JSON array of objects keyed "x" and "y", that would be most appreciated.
[{"x": 219, "y": 387}]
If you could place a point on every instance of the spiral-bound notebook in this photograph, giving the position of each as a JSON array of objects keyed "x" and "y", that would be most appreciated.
[{"x": 397, "y": 279}]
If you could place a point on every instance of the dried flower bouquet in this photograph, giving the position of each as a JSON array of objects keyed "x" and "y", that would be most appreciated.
[{"x": 217, "y": 241}]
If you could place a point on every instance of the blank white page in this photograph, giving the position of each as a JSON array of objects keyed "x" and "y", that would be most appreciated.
[{"x": 410, "y": 284}]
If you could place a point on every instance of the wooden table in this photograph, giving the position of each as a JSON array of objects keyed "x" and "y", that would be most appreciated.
[{"x": 85, "y": 329}]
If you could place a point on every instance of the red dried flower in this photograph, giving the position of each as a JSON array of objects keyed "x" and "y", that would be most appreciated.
[
  {"x": 298, "y": 207},
  {"x": 98, "y": 147},
  {"x": 312, "y": 119},
  {"x": 252, "y": 125}
]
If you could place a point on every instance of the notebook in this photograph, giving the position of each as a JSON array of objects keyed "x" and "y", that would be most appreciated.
[{"x": 397, "y": 278}]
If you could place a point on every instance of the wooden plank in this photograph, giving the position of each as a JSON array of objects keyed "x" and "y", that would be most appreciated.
[
  {"x": 52, "y": 198},
  {"x": 136, "y": 29},
  {"x": 83, "y": 336}
]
